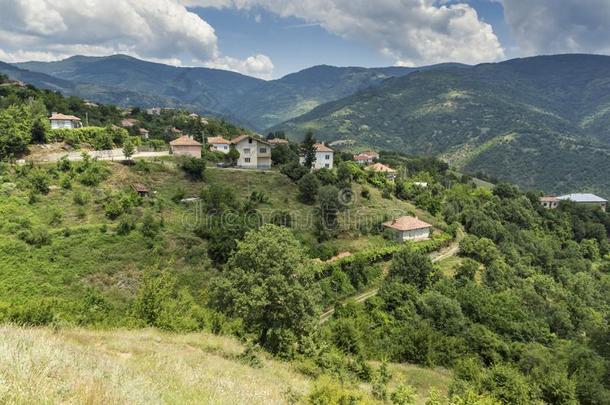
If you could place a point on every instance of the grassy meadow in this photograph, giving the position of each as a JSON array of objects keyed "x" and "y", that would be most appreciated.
[{"x": 78, "y": 366}]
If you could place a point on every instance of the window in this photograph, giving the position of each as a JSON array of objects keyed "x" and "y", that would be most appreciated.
[
  {"x": 263, "y": 150},
  {"x": 327, "y": 166},
  {"x": 247, "y": 160},
  {"x": 247, "y": 150},
  {"x": 327, "y": 157},
  {"x": 249, "y": 140}
]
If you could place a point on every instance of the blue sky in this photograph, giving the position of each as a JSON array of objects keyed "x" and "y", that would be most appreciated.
[
  {"x": 293, "y": 44},
  {"x": 271, "y": 38}
]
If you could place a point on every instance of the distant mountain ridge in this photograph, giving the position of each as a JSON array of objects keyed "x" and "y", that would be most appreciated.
[
  {"x": 541, "y": 122},
  {"x": 252, "y": 102}
]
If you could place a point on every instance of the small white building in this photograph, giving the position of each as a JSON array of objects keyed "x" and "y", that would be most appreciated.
[
  {"x": 254, "y": 153},
  {"x": 324, "y": 157},
  {"x": 64, "y": 121},
  {"x": 549, "y": 202},
  {"x": 409, "y": 228},
  {"x": 219, "y": 144}
]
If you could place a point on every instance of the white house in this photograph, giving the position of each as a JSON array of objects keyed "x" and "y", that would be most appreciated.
[
  {"x": 586, "y": 199},
  {"x": 64, "y": 121},
  {"x": 219, "y": 144},
  {"x": 324, "y": 157},
  {"x": 366, "y": 157},
  {"x": 409, "y": 228},
  {"x": 254, "y": 153}
]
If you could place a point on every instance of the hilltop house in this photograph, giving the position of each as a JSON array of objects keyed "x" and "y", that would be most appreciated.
[
  {"x": 381, "y": 168},
  {"x": 550, "y": 202},
  {"x": 409, "y": 228},
  {"x": 144, "y": 133},
  {"x": 586, "y": 199},
  {"x": 64, "y": 121},
  {"x": 254, "y": 153},
  {"x": 219, "y": 144},
  {"x": 366, "y": 157},
  {"x": 185, "y": 146},
  {"x": 324, "y": 157}
]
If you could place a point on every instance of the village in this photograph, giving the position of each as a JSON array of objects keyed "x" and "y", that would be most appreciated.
[{"x": 255, "y": 153}]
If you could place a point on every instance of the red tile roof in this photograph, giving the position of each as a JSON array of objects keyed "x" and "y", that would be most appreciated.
[
  {"x": 218, "y": 140},
  {"x": 378, "y": 167},
  {"x": 320, "y": 147},
  {"x": 407, "y": 224},
  {"x": 58, "y": 116},
  {"x": 184, "y": 140},
  {"x": 240, "y": 138}
]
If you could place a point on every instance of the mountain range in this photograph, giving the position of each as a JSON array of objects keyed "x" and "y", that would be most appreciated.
[
  {"x": 252, "y": 102},
  {"x": 541, "y": 122}
]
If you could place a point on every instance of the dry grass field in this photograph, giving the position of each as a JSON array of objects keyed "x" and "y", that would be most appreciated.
[{"x": 79, "y": 366}]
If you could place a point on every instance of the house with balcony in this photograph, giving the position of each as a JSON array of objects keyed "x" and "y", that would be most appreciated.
[{"x": 254, "y": 153}]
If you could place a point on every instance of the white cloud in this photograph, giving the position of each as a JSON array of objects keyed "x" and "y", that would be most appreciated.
[
  {"x": 257, "y": 65},
  {"x": 157, "y": 30},
  {"x": 410, "y": 31},
  {"x": 558, "y": 26}
]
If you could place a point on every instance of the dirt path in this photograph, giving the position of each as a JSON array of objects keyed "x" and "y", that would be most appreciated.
[{"x": 438, "y": 256}]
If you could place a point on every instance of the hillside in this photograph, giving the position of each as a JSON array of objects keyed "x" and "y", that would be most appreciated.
[
  {"x": 259, "y": 104},
  {"x": 533, "y": 121},
  {"x": 151, "y": 366}
]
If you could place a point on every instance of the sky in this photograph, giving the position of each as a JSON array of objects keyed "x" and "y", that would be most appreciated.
[{"x": 272, "y": 38}]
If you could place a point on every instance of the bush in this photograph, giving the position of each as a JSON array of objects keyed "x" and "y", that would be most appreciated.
[
  {"x": 98, "y": 137},
  {"x": 39, "y": 181},
  {"x": 35, "y": 237},
  {"x": 294, "y": 171},
  {"x": 126, "y": 225},
  {"x": 308, "y": 188},
  {"x": 193, "y": 167},
  {"x": 113, "y": 209},
  {"x": 81, "y": 198}
]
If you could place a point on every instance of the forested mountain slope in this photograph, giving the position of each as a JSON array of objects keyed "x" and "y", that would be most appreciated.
[
  {"x": 254, "y": 102},
  {"x": 540, "y": 122}
]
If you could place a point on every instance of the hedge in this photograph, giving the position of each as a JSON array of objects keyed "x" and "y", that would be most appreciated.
[{"x": 98, "y": 137}]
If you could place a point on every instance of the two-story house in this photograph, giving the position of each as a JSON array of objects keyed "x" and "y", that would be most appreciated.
[
  {"x": 324, "y": 157},
  {"x": 254, "y": 153}
]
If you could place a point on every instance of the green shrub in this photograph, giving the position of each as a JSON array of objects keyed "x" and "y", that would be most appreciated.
[
  {"x": 98, "y": 137},
  {"x": 193, "y": 167},
  {"x": 113, "y": 209},
  {"x": 39, "y": 181}
]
